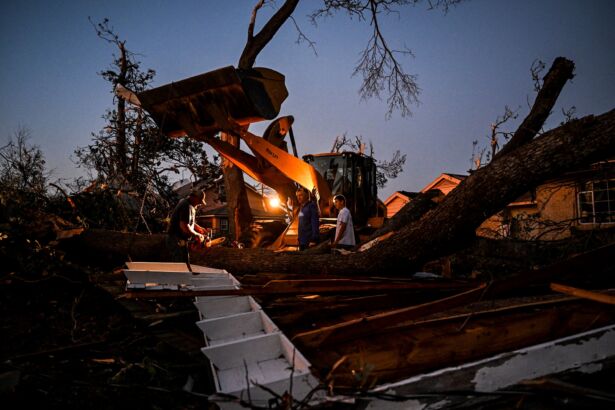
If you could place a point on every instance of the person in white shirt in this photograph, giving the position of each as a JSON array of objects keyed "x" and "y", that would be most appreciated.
[{"x": 344, "y": 230}]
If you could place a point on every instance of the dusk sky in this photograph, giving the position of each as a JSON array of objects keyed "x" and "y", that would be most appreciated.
[{"x": 470, "y": 63}]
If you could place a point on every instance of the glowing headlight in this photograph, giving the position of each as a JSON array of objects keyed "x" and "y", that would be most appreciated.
[{"x": 274, "y": 201}]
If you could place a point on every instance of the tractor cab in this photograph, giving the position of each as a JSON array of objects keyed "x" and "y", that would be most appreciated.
[{"x": 354, "y": 176}]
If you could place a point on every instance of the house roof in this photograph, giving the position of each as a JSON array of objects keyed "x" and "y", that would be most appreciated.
[
  {"x": 405, "y": 195},
  {"x": 460, "y": 177},
  {"x": 445, "y": 176},
  {"x": 219, "y": 211}
]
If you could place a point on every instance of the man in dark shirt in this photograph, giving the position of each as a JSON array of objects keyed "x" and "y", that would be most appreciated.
[
  {"x": 183, "y": 226},
  {"x": 307, "y": 229}
]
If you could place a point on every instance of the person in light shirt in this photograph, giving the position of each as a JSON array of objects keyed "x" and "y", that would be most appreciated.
[{"x": 344, "y": 230}]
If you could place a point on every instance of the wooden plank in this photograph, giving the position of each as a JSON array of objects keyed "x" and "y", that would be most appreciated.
[
  {"x": 297, "y": 289},
  {"x": 388, "y": 357},
  {"x": 158, "y": 266},
  {"x": 582, "y": 293},
  {"x": 361, "y": 327},
  {"x": 357, "y": 328}
]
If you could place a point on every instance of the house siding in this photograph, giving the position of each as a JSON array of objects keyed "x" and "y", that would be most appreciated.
[
  {"x": 395, "y": 205},
  {"x": 551, "y": 216}
]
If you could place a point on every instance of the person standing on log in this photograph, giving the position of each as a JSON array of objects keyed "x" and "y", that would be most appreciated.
[
  {"x": 308, "y": 229},
  {"x": 183, "y": 226},
  {"x": 344, "y": 230}
]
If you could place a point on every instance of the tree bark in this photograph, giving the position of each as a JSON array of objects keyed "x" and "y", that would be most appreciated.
[
  {"x": 113, "y": 248},
  {"x": 448, "y": 227},
  {"x": 553, "y": 83},
  {"x": 239, "y": 212},
  {"x": 121, "y": 116},
  {"x": 255, "y": 43},
  {"x": 452, "y": 224}
]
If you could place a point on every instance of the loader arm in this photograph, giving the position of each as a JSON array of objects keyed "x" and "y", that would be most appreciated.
[
  {"x": 249, "y": 164},
  {"x": 294, "y": 168},
  {"x": 229, "y": 99}
]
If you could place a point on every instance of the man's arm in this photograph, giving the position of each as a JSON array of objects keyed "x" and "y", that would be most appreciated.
[
  {"x": 190, "y": 230},
  {"x": 340, "y": 233},
  {"x": 200, "y": 229}
]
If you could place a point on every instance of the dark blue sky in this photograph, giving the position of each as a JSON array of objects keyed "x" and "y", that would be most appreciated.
[{"x": 470, "y": 63}]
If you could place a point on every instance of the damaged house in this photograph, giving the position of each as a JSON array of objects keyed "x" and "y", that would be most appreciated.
[{"x": 580, "y": 200}]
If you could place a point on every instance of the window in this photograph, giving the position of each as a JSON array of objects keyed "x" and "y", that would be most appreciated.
[
  {"x": 223, "y": 225},
  {"x": 596, "y": 202}
]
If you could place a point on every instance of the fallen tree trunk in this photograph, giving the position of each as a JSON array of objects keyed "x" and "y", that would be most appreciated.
[
  {"x": 448, "y": 227},
  {"x": 113, "y": 248},
  {"x": 451, "y": 224}
]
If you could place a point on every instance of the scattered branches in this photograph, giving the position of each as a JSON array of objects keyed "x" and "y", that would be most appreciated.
[
  {"x": 496, "y": 132},
  {"x": 476, "y": 160},
  {"x": 378, "y": 65}
]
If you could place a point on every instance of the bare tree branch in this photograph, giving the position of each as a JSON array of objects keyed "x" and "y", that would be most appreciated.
[
  {"x": 560, "y": 72},
  {"x": 536, "y": 70},
  {"x": 569, "y": 115},
  {"x": 253, "y": 19},
  {"x": 496, "y": 132},
  {"x": 378, "y": 64},
  {"x": 256, "y": 43},
  {"x": 381, "y": 71},
  {"x": 301, "y": 37}
]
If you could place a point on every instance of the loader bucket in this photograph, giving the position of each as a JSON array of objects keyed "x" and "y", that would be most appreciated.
[{"x": 246, "y": 96}]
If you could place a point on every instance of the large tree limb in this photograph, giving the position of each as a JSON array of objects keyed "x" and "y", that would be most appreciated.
[
  {"x": 448, "y": 227},
  {"x": 256, "y": 43},
  {"x": 553, "y": 83},
  {"x": 452, "y": 224}
]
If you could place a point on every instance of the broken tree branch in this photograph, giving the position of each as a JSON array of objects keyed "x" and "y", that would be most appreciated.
[
  {"x": 560, "y": 72},
  {"x": 452, "y": 224},
  {"x": 256, "y": 43},
  {"x": 582, "y": 293}
]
